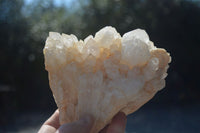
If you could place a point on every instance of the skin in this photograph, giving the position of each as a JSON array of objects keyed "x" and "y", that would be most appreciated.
[{"x": 83, "y": 125}]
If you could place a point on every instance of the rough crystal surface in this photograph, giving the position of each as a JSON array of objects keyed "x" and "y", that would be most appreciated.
[{"x": 103, "y": 75}]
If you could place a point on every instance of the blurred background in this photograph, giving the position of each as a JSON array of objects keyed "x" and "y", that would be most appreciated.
[{"x": 25, "y": 98}]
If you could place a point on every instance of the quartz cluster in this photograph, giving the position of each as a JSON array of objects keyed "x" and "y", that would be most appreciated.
[{"x": 104, "y": 74}]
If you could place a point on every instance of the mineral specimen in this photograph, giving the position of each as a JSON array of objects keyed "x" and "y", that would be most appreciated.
[{"x": 104, "y": 74}]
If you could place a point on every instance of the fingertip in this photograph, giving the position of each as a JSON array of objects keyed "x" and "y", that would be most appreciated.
[
  {"x": 118, "y": 123},
  {"x": 84, "y": 125},
  {"x": 53, "y": 120},
  {"x": 121, "y": 116},
  {"x": 52, "y": 124},
  {"x": 57, "y": 111},
  {"x": 87, "y": 119}
]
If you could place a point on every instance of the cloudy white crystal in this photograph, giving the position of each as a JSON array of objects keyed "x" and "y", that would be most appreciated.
[
  {"x": 103, "y": 75},
  {"x": 107, "y": 35},
  {"x": 135, "y": 50}
]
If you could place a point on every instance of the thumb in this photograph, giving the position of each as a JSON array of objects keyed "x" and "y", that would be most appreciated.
[{"x": 83, "y": 125}]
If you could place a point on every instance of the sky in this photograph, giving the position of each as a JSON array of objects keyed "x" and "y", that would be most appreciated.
[
  {"x": 68, "y": 3},
  {"x": 56, "y": 2}
]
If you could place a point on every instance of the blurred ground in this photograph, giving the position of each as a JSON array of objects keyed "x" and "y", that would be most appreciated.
[
  {"x": 165, "y": 119},
  {"x": 148, "y": 119}
]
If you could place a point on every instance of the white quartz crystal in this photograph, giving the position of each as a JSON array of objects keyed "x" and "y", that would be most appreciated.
[
  {"x": 104, "y": 74},
  {"x": 107, "y": 35},
  {"x": 135, "y": 49}
]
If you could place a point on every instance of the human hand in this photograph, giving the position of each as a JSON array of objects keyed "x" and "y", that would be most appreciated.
[{"x": 83, "y": 125}]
